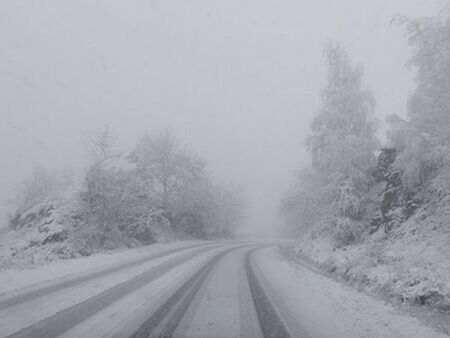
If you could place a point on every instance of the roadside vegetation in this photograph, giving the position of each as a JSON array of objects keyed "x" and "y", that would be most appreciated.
[
  {"x": 377, "y": 214},
  {"x": 157, "y": 192}
]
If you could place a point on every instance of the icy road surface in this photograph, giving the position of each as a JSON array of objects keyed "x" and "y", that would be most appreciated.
[{"x": 193, "y": 289}]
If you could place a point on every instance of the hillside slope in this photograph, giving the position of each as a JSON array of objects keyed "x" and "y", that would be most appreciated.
[
  {"x": 406, "y": 255},
  {"x": 54, "y": 230}
]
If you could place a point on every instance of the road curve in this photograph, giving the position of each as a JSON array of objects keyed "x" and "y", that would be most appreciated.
[
  {"x": 201, "y": 291},
  {"x": 225, "y": 298}
]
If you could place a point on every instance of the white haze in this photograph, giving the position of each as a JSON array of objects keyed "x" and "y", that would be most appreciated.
[{"x": 237, "y": 80}]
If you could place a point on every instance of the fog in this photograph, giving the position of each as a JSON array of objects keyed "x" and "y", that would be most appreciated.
[{"x": 238, "y": 81}]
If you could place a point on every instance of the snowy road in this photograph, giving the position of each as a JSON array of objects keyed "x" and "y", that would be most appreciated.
[{"x": 227, "y": 289}]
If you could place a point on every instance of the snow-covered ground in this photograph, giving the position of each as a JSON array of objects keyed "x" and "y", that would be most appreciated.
[
  {"x": 324, "y": 307},
  {"x": 410, "y": 266},
  {"x": 125, "y": 315},
  {"x": 20, "y": 316},
  {"x": 16, "y": 279},
  {"x": 308, "y": 301}
]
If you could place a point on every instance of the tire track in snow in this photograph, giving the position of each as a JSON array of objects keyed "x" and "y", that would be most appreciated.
[
  {"x": 164, "y": 322},
  {"x": 45, "y": 290},
  {"x": 269, "y": 319},
  {"x": 64, "y": 320}
]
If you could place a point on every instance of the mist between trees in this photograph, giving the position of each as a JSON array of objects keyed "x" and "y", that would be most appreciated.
[{"x": 157, "y": 192}]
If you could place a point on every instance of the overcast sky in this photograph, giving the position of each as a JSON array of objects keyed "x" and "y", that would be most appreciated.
[{"x": 237, "y": 80}]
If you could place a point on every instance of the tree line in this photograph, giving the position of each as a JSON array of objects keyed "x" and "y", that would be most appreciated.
[
  {"x": 158, "y": 189},
  {"x": 354, "y": 185}
]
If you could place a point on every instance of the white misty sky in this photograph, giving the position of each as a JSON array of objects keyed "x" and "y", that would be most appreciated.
[{"x": 237, "y": 80}]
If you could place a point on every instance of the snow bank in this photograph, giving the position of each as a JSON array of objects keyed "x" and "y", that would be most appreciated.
[{"x": 326, "y": 308}]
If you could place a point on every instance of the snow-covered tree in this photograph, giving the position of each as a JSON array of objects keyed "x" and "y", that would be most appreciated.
[
  {"x": 342, "y": 147},
  {"x": 423, "y": 140},
  {"x": 344, "y": 138},
  {"x": 429, "y": 105},
  {"x": 160, "y": 191},
  {"x": 162, "y": 161},
  {"x": 174, "y": 181},
  {"x": 101, "y": 193}
]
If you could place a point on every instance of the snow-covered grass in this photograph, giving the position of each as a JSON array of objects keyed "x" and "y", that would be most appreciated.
[{"x": 324, "y": 307}]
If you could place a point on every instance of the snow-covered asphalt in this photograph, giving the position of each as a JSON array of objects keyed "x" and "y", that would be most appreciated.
[{"x": 208, "y": 289}]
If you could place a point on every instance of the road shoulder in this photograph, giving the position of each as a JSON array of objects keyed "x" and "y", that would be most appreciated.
[{"x": 325, "y": 308}]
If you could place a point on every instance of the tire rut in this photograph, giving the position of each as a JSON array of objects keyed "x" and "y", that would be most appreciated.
[
  {"x": 64, "y": 320},
  {"x": 164, "y": 322},
  {"x": 269, "y": 320},
  {"x": 45, "y": 290}
]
